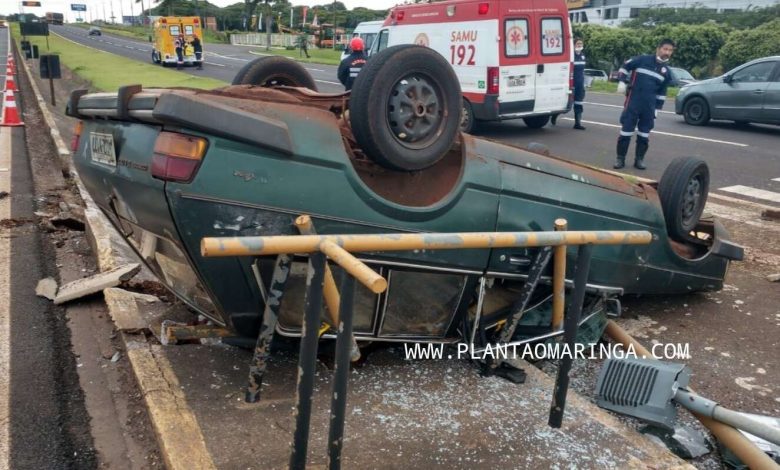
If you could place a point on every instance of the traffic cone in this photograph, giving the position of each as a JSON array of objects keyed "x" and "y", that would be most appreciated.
[
  {"x": 9, "y": 83},
  {"x": 10, "y": 112}
]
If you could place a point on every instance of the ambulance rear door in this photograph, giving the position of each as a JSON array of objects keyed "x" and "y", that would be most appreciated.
[
  {"x": 518, "y": 64},
  {"x": 552, "y": 74}
]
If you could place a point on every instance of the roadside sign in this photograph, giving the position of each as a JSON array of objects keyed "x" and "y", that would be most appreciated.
[
  {"x": 30, "y": 3},
  {"x": 34, "y": 29},
  {"x": 50, "y": 66},
  {"x": 78, "y": 7}
]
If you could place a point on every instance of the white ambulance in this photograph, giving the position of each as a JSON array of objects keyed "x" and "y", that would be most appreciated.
[
  {"x": 367, "y": 31},
  {"x": 513, "y": 57}
]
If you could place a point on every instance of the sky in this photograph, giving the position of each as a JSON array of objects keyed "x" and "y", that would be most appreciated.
[{"x": 95, "y": 7}]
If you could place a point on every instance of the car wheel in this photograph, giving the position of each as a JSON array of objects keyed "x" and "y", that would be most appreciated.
[
  {"x": 683, "y": 192},
  {"x": 468, "y": 123},
  {"x": 274, "y": 71},
  {"x": 405, "y": 107},
  {"x": 536, "y": 122},
  {"x": 155, "y": 58},
  {"x": 696, "y": 111}
]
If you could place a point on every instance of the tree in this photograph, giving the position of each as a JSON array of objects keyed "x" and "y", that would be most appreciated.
[
  {"x": 744, "y": 46},
  {"x": 697, "y": 45},
  {"x": 605, "y": 45}
]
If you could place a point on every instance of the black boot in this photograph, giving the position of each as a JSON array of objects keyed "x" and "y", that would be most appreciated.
[
  {"x": 554, "y": 119},
  {"x": 642, "y": 144},
  {"x": 578, "y": 121},
  {"x": 620, "y": 162}
]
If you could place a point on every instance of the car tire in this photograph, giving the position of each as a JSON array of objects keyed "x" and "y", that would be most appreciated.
[
  {"x": 405, "y": 107},
  {"x": 274, "y": 71},
  {"x": 155, "y": 58},
  {"x": 683, "y": 190},
  {"x": 468, "y": 123},
  {"x": 536, "y": 122},
  {"x": 696, "y": 111}
]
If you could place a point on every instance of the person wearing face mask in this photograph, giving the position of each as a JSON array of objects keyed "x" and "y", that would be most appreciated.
[
  {"x": 579, "y": 83},
  {"x": 644, "y": 79}
]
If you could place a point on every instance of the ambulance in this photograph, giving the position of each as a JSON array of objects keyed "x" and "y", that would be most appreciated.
[
  {"x": 165, "y": 29},
  {"x": 513, "y": 57}
]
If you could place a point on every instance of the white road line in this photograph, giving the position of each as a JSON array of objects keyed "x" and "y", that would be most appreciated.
[
  {"x": 226, "y": 57},
  {"x": 743, "y": 202},
  {"x": 776, "y": 179},
  {"x": 78, "y": 43},
  {"x": 670, "y": 134},
  {"x": 621, "y": 107},
  {"x": 753, "y": 192},
  {"x": 5, "y": 293}
]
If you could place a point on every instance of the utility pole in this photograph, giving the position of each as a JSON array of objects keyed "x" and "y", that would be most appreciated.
[
  {"x": 113, "y": 18},
  {"x": 104, "y": 13},
  {"x": 121, "y": 14},
  {"x": 334, "y": 25}
]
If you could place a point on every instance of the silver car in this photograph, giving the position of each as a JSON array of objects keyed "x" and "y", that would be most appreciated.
[{"x": 748, "y": 93}]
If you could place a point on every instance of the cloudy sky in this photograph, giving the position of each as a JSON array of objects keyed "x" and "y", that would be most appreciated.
[{"x": 95, "y": 7}]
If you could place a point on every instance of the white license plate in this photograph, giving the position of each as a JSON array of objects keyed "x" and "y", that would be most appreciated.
[
  {"x": 516, "y": 81},
  {"x": 102, "y": 148}
]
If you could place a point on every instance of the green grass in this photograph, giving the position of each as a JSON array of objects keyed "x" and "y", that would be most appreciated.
[
  {"x": 107, "y": 72},
  {"x": 611, "y": 87},
  {"x": 318, "y": 56}
]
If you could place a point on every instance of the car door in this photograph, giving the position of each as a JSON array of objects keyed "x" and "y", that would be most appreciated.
[
  {"x": 771, "y": 106},
  {"x": 742, "y": 97}
]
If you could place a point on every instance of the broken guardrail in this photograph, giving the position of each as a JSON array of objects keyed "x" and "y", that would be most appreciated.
[{"x": 339, "y": 248}]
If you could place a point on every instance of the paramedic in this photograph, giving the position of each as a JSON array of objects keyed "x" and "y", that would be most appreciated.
[{"x": 647, "y": 77}]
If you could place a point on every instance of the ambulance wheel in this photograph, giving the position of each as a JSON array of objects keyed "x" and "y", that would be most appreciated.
[
  {"x": 274, "y": 71},
  {"x": 683, "y": 191},
  {"x": 696, "y": 111},
  {"x": 405, "y": 107},
  {"x": 536, "y": 122},
  {"x": 468, "y": 123},
  {"x": 155, "y": 59}
]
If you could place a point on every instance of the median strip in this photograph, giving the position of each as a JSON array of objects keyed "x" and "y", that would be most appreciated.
[{"x": 108, "y": 71}]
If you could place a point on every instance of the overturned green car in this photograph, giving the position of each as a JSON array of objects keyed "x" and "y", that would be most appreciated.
[{"x": 172, "y": 166}]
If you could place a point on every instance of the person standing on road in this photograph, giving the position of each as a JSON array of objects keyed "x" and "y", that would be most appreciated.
[
  {"x": 644, "y": 79},
  {"x": 351, "y": 66},
  {"x": 303, "y": 43},
  {"x": 197, "y": 47},
  {"x": 178, "y": 45},
  {"x": 579, "y": 83}
]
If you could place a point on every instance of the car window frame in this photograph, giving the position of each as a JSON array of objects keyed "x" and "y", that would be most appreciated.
[{"x": 769, "y": 77}]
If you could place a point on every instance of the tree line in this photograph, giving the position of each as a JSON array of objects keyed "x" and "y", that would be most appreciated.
[{"x": 708, "y": 43}]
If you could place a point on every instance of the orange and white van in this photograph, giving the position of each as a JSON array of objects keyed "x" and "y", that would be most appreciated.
[
  {"x": 513, "y": 57},
  {"x": 165, "y": 29}
]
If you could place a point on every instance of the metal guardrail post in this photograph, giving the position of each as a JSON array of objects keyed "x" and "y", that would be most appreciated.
[
  {"x": 571, "y": 325},
  {"x": 307, "y": 360},
  {"x": 270, "y": 317},
  {"x": 338, "y": 404},
  {"x": 559, "y": 278}
]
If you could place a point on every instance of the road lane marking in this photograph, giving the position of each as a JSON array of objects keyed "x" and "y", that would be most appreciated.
[
  {"x": 226, "y": 57},
  {"x": 329, "y": 83},
  {"x": 670, "y": 134},
  {"x": 5, "y": 293},
  {"x": 214, "y": 63},
  {"x": 78, "y": 43},
  {"x": 621, "y": 107},
  {"x": 753, "y": 192},
  {"x": 775, "y": 179}
]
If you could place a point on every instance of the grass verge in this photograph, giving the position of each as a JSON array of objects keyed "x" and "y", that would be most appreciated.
[
  {"x": 107, "y": 72},
  {"x": 318, "y": 56},
  {"x": 611, "y": 87}
]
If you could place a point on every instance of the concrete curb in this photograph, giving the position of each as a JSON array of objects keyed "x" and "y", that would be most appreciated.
[{"x": 180, "y": 439}]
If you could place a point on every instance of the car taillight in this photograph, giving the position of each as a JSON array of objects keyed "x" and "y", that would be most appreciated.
[
  {"x": 74, "y": 141},
  {"x": 177, "y": 157},
  {"x": 483, "y": 8},
  {"x": 492, "y": 81}
]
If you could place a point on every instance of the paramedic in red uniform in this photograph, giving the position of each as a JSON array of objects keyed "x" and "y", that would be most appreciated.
[
  {"x": 350, "y": 67},
  {"x": 647, "y": 77}
]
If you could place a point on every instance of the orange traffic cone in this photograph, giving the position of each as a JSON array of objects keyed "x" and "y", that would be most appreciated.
[
  {"x": 9, "y": 83},
  {"x": 10, "y": 112}
]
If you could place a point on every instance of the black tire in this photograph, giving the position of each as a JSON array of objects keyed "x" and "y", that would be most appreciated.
[
  {"x": 155, "y": 59},
  {"x": 274, "y": 71},
  {"x": 413, "y": 83},
  {"x": 468, "y": 123},
  {"x": 683, "y": 192},
  {"x": 536, "y": 122},
  {"x": 696, "y": 111}
]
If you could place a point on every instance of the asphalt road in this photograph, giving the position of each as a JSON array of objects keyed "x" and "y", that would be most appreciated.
[{"x": 740, "y": 159}]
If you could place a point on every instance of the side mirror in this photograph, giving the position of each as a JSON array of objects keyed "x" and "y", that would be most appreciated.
[{"x": 727, "y": 79}]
